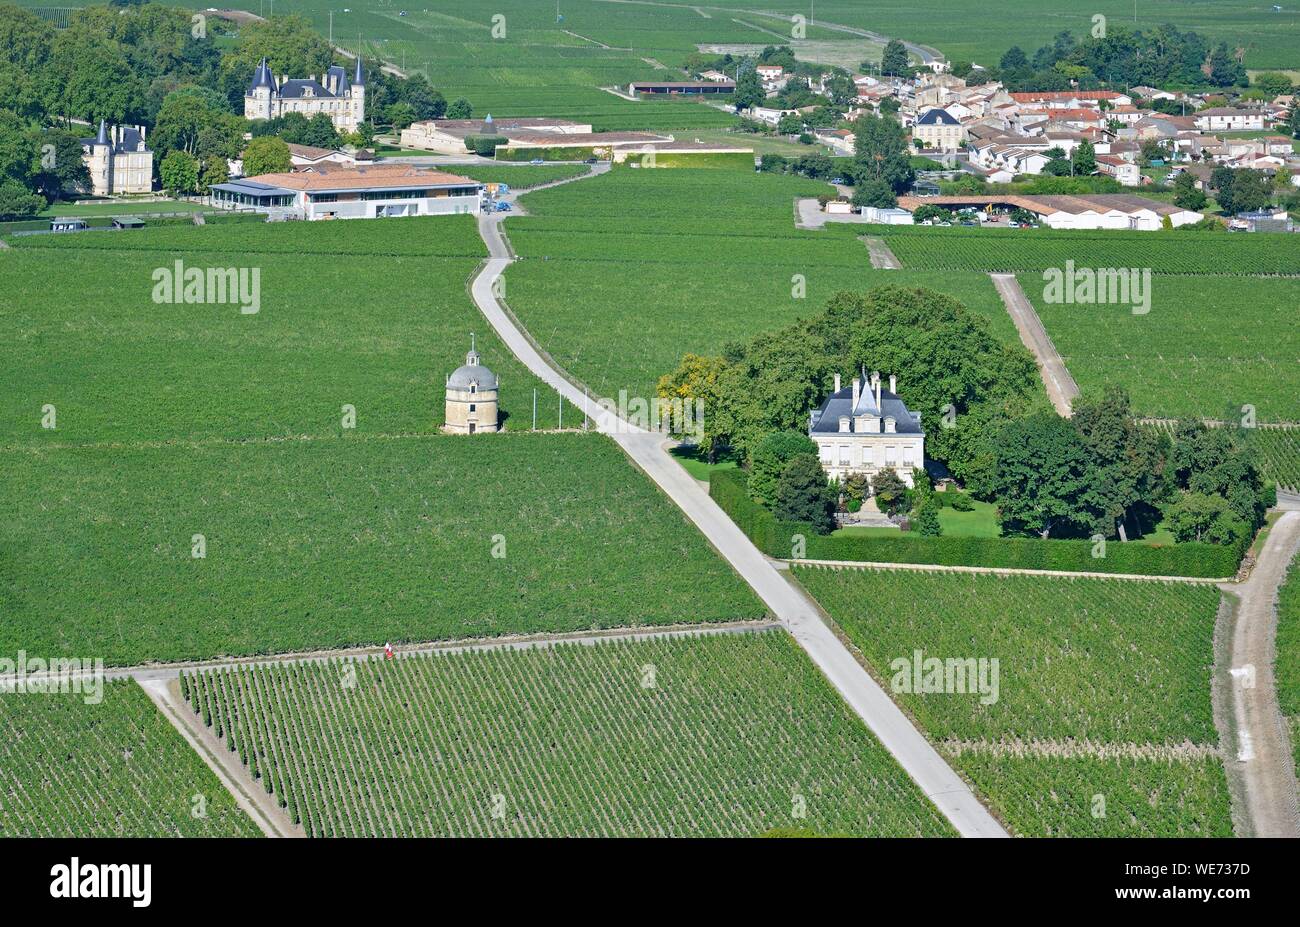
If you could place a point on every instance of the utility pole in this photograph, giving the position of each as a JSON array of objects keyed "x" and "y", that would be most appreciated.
[{"x": 534, "y": 408}]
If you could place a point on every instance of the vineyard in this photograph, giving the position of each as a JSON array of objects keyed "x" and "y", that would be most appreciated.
[
  {"x": 1202, "y": 351},
  {"x": 1009, "y": 250},
  {"x": 1288, "y": 654},
  {"x": 1106, "y": 681},
  {"x": 329, "y": 332},
  {"x": 727, "y": 735},
  {"x": 346, "y": 542},
  {"x": 711, "y": 256},
  {"x": 114, "y": 769}
]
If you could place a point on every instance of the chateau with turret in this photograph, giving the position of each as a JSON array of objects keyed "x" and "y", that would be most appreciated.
[
  {"x": 118, "y": 160},
  {"x": 343, "y": 100}
]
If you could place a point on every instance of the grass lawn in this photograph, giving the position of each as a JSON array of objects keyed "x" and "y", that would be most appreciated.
[
  {"x": 697, "y": 465},
  {"x": 124, "y": 208}
]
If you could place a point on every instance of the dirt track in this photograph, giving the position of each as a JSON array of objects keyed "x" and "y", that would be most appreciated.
[{"x": 1263, "y": 759}]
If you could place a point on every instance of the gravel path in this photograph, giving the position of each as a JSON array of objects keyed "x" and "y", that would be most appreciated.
[
  {"x": 1263, "y": 748},
  {"x": 1061, "y": 388}
]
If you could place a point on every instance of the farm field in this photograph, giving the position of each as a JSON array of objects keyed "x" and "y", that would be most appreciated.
[
  {"x": 336, "y": 542},
  {"x": 1012, "y": 250},
  {"x": 685, "y": 260},
  {"x": 113, "y": 769},
  {"x": 1073, "y": 714},
  {"x": 118, "y": 367},
  {"x": 1202, "y": 351},
  {"x": 729, "y": 735}
]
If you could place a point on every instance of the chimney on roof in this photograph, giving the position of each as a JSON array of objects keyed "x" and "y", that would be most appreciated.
[
  {"x": 857, "y": 391},
  {"x": 837, "y": 382},
  {"x": 893, "y": 384},
  {"x": 875, "y": 385}
]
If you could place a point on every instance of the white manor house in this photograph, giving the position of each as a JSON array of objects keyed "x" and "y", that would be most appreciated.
[
  {"x": 861, "y": 430},
  {"x": 343, "y": 100}
]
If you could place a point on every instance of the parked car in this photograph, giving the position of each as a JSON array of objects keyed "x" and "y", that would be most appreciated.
[
  {"x": 503, "y": 206},
  {"x": 537, "y": 161},
  {"x": 590, "y": 161}
]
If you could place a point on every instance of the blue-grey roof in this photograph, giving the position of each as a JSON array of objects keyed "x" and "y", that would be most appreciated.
[
  {"x": 253, "y": 188},
  {"x": 826, "y": 420},
  {"x": 262, "y": 77},
  {"x": 934, "y": 117},
  {"x": 131, "y": 139},
  {"x": 472, "y": 372}
]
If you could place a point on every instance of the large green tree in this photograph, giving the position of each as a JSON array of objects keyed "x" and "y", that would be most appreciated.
[
  {"x": 1129, "y": 461},
  {"x": 803, "y": 494},
  {"x": 881, "y": 152},
  {"x": 769, "y": 459},
  {"x": 1043, "y": 479},
  {"x": 893, "y": 60},
  {"x": 266, "y": 155}
]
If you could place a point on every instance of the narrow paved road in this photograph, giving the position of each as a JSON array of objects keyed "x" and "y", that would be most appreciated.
[
  {"x": 1263, "y": 755},
  {"x": 1061, "y": 388},
  {"x": 882, "y": 258},
  {"x": 788, "y": 603}
]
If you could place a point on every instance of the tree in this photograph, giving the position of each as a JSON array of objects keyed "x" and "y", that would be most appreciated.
[
  {"x": 288, "y": 43},
  {"x": 1193, "y": 515},
  {"x": 1293, "y": 119},
  {"x": 881, "y": 152},
  {"x": 695, "y": 379},
  {"x": 1084, "y": 158},
  {"x": 400, "y": 115},
  {"x": 191, "y": 114},
  {"x": 928, "y": 213},
  {"x": 769, "y": 459},
  {"x": 893, "y": 60},
  {"x": 1041, "y": 477},
  {"x": 321, "y": 132},
  {"x": 749, "y": 90},
  {"x": 874, "y": 193},
  {"x": 889, "y": 106},
  {"x": 1014, "y": 60},
  {"x": 1186, "y": 196},
  {"x": 1225, "y": 70},
  {"x": 790, "y": 124},
  {"x": 266, "y": 155},
  {"x": 889, "y": 490},
  {"x": 926, "y": 520},
  {"x": 1247, "y": 190},
  {"x": 1273, "y": 84},
  {"x": 841, "y": 90},
  {"x": 1127, "y": 461},
  {"x": 803, "y": 494},
  {"x": 179, "y": 173},
  {"x": 91, "y": 78},
  {"x": 17, "y": 202},
  {"x": 460, "y": 109},
  {"x": 62, "y": 167},
  {"x": 215, "y": 170}
]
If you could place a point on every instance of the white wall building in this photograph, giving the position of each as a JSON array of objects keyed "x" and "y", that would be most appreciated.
[
  {"x": 343, "y": 100},
  {"x": 353, "y": 193},
  {"x": 863, "y": 428}
]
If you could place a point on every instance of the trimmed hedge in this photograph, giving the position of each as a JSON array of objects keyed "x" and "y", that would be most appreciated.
[
  {"x": 728, "y": 160},
  {"x": 728, "y": 489},
  {"x": 546, "y": 154}
]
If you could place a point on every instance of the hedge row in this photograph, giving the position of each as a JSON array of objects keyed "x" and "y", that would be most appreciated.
[
  {"x": 546, "y": 154},
  {"x": 729, "y": 160},
  {"x": 775, "y": 538}
]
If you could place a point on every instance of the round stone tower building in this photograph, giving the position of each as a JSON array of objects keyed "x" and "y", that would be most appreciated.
[{"x": 471, "y": 397}]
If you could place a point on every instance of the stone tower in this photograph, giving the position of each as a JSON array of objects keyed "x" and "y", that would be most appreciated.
[
  {"x": 257, "y": 102},
  {"x": 471, "y": 397}
]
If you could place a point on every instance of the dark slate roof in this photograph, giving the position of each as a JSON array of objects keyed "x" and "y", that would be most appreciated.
[
  {"x": 937, "y": 117},
  {"x": 262, "y": 77},
  {"x": 130, "y": 141},
  {"x": 253, "y": 188},
  {"x": 291, "y": 89},
  {"x": 827, "y": 419}
]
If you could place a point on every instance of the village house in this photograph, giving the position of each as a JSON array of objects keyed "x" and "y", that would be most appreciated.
[
  {"x": 1229, "y": 119},
  {"x": 937, "y": 129},
  {"x": 864, "y": 429}
]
